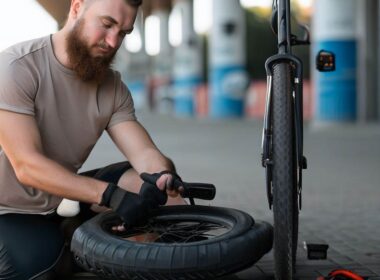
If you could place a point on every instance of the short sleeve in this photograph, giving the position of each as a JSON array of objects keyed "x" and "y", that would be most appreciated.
[
  {"x": 17, "y": 86},
  {"x": 124, "y": 109}
]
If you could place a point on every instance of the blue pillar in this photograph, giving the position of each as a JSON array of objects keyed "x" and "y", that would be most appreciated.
[
  {"x": 187, "y": 64},
  {"x": 228, "y": 76},
  {"x": 335, "y": 30}
]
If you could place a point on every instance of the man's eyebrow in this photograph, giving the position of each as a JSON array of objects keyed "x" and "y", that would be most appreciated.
[
  {"x": 111, "y": 19},
  {"x": 114, "y": 21}
]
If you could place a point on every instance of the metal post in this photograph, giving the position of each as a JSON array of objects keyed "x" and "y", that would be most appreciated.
[
  {"x": 367, "y": 60},
  {"x": 378, "y": 61}
]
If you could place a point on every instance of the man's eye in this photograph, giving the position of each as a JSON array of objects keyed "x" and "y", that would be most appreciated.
[{"x": 107, "y": 25}]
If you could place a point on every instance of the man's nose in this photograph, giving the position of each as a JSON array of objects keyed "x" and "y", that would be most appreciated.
[{"x": 112, "y": 40}]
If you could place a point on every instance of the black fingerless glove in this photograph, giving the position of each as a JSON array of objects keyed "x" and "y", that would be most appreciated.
[
  {"x": 155, "y": 195},
  {"x": 152, "y": 179},
  {"x": 131, "y": 207}
]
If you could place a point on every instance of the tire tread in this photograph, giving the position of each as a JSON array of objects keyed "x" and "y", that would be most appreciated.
[
  {"x": 123, "y": 259},
  {"x": 284, "y": 196}
]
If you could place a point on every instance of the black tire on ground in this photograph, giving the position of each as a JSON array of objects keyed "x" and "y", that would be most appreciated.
[
  {"x": 241, "y": 244},
  {"x": 285, "y": 205}
]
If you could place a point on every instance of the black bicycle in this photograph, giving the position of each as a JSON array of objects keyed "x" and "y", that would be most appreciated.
[{"x": 282, "y": 141}]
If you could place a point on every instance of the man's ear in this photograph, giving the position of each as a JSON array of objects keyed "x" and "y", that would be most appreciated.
[{"x": 75, "y": 8}]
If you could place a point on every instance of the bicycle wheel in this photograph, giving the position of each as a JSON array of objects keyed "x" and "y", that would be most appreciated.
[
  {"x": 177, "y": 242},
  {"x": 285, "y": 205}
]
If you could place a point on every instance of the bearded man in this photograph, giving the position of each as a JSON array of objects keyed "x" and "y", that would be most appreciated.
[{"x": 57, "y": 95}]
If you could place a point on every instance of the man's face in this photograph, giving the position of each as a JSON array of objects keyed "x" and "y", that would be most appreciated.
[{"x": 96, "y": 36}]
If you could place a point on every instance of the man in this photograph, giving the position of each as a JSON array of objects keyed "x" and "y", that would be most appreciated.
[{"x": 57, "y": 96}]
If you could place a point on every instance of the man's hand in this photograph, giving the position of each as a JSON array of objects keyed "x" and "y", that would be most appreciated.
[
  {"x": 131, "y": 207},
  {"x": 165, "y": 180},
  {"x": 151, "y": 192}
]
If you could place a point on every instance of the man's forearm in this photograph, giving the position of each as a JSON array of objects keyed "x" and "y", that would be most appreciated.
[
  {"x": 42, "y": 173},
  {"x": 152, "y": 161}
]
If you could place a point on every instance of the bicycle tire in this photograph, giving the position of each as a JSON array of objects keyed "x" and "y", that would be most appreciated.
[
  {"x": 109, "y": 256},
  {"x": 285, "y": 205}
]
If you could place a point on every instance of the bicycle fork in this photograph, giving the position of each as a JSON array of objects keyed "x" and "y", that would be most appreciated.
[{"x": 266, "y": 141}]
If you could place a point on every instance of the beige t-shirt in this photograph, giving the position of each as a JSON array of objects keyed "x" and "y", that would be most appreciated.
[{"x": 71, "y": 115}]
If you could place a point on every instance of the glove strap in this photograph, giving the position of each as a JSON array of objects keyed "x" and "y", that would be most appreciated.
[{"x": 106, "y": 197}]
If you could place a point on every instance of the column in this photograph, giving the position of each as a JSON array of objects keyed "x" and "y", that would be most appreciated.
[
  {"x": 187, "y": 64},
  {"x": 335, "y": 30},
  {"x": 161, "y": 77},
  {"x": 228, "y": 76},
  {"x": 133, "y": 63},
  {"x": 378, "y": 62},
  {"x": 367, "y": 61}
]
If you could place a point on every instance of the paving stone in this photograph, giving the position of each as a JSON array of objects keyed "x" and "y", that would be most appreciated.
[{"x": 341, "y": 185}]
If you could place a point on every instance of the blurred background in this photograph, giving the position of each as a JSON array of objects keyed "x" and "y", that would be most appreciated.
[
  {"x": 205, "y": 58},
  {"x": 191, "y": 62}
]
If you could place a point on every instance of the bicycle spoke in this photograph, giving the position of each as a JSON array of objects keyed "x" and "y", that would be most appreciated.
[{"x": 159, "y": 231}]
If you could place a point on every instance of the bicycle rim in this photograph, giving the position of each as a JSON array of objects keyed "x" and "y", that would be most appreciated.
[
  {"x": 173, "y": 231},
  {"x": 285, "y": 206}
]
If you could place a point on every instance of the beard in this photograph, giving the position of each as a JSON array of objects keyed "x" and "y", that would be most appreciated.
[{"x": 87, "y": 67}]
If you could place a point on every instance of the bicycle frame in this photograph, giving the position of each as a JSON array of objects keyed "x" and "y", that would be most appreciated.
[{"x": 285, "y": 41}]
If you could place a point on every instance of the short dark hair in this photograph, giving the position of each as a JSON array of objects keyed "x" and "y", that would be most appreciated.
[{"x": 134, "y": 3}]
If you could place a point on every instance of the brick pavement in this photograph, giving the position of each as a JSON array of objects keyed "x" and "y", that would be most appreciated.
[{"x": 341, "y": 185}]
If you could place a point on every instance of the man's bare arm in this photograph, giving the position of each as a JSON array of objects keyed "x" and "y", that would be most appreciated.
[
  {"x": 136, "y": 144},
  {"x": 21, "y": 142},
  {"x": 138, "y": 147}
]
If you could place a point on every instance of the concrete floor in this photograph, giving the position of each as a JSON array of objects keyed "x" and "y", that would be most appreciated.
[{"x": 341, "y": 205}]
